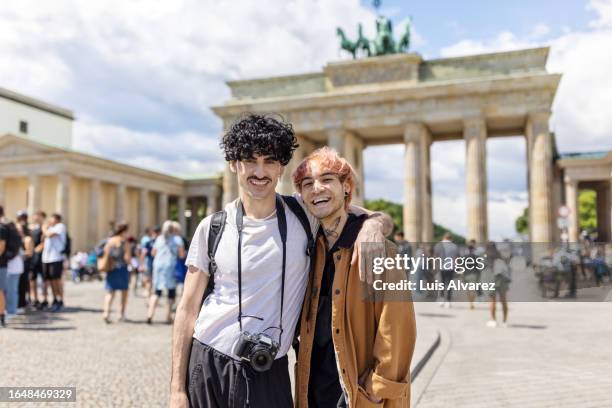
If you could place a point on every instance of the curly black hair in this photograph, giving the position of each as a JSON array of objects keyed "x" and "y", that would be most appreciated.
[{"x": 259, "y": 134}]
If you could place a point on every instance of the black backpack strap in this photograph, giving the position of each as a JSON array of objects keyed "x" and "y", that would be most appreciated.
[
  {"x": 299, "y": 212},
  {"x": 215, "y": 231}
]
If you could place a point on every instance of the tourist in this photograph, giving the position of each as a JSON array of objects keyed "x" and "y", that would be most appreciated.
[
  {"x": 181, "y": 268},
  {"x": 146, "y": 260},
  {"x": 403, "y": 246},
  {"x": 36, "y": 265},
  {"x": 446, "y": 250},
  {"x": 375, "y": 369},
  {"x": 205, "y": 356},
  {"x": 28, "y": 248},
  {"x": 53, "y": 258},
  {"x": 166, "y": 250},
  {"x": 133, "y": 265},
  {"x": 116, "y": 258},
  {"x": 471, "y": 275},
  {"x": 10, "y": 246},
  {"x": 14, "y": 270},
  {"x": 499, "y": 259},
  {"x": 78, "y": 263}
]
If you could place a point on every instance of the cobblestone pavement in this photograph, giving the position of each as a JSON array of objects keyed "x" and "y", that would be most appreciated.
[
  {"x": 551, "y": 355},
  {"x": 124, "y": 364}
]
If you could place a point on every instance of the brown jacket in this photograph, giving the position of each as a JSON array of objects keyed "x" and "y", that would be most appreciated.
[{"x": 373, "y": 340}]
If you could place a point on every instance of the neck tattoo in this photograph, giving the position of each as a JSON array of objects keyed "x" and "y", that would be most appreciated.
[{"x": 331, "y": 232}]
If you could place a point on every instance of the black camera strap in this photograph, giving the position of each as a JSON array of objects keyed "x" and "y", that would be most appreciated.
[{"x": 282, "y": 228}]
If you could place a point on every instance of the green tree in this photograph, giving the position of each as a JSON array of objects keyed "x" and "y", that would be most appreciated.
[
  {"x": 587, "y": 210},
  {"x": 396, "y": 212},
  {"x": 587, "y": 213},
  {"x": 522, "y": 222}
]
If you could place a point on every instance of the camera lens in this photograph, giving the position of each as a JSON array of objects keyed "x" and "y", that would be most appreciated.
[{"x": 261, "y": 360}]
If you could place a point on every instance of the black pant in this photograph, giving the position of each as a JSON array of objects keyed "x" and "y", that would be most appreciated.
[
  {"x": 215, "y": 380},
  {"x": 446, "y": 276}
]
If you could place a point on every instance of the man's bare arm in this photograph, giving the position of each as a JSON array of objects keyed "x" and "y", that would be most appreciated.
[
  {"x": 374, "y": 230},
  {"x": 184, "y": 322},
  {"x": 2, "y": 247}
]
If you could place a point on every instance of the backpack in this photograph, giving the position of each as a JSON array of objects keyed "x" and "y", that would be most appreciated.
[
  {"x": 217, "y": 225},
  {"x": 99, "y": 250},
  {"x": 13, "y": 241}
]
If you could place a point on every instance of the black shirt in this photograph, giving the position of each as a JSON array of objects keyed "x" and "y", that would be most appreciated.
[
  {"x": 324, "y": 390},
  {"x": 4, "y": 237},
  {"x": 37, "y": 237}
]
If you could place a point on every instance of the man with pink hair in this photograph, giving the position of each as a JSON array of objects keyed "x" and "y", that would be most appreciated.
[{"x": 353, "y": 351}]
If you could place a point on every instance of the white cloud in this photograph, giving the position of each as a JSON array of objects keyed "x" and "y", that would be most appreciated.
[
  {"x": 504, "y": 41},
  {"x": 170, "y": 153},
  {"x": 603, "y": 9},
  {"x": 143, "y": 71},
  {"x": 539, "y": 30}
]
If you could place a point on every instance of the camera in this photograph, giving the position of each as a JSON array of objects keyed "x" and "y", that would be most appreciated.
[{"x": 257, "y": 349}]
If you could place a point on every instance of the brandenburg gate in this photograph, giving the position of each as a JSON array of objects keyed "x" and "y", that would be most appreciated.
[{"x": 402, "y": 98}]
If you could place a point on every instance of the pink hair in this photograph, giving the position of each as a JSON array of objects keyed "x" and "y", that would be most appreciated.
[{"x": 329, "y": 161}]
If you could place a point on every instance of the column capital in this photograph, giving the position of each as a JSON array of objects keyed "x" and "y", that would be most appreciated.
[
  {"x": 413, "y": 131},
  {"x": 570, "y": 181},
  {"x": 539, "y": 115},
  {"x": 474, "y": 121},
  {"x": 64, "y": 177},
  {"x": 474, "y": 127}
]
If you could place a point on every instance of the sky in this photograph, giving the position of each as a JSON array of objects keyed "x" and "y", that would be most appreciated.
[{"x": 142, "y": 75}]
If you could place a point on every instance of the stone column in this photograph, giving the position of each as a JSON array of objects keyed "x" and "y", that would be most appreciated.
[
  {"x": 427, "y": 233},
  {"x": 571, "y": 200},
  {"x": 335, "y": 139},
  {"x": 230, "y": 185},
  {"x": 162, "y": 206},
  {"x": 359, "y": 195},
  {"x": 475, "y": 135},
  {"x": 349, "y": 146},
  {"x": 120, "y": 203},
  {"x": 62, "y": 196},
  {"x": 541, "y": 220},
  {"x": 610, "y": 209},
  {"x": 34, "y": 196},
  {"x": 285, "y": 184},
  {"x": 182, "y": 206},
  {"x": 93, "y": 213},
  {"x": 143, "y": 214},
  {"x": 412, "y": 185},
  {"x": 212, "y": 200},
  {"x": 2, "y": 194},
  {"x": 603, "y": 212}
]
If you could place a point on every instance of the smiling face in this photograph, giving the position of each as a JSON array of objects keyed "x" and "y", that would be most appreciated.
[
  {"x": 323, "y": 192},
  {"x": 258, "y": 175}
]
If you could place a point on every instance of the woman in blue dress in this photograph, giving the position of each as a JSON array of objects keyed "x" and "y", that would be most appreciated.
[
  {"x": 118, "y": 278},
  {"x": 166, "y": 250}
]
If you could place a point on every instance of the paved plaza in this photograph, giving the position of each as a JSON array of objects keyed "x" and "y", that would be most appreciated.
[{"x": 552, "y": 354}]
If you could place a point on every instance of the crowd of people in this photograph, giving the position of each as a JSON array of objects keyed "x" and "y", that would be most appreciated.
[
  {"x": 35, "y": 252},
  {"x": 558, "y": 267},
  {"x": 155, "y": 263},
  {"x": 32, "y": 256},
  {"x": 497, "y": 269}
]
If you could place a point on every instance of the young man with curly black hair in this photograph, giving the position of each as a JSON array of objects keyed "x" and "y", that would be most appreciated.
[{"x": 231, "y": 350}]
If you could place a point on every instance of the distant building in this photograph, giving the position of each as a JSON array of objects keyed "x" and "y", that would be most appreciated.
[
  {"x": 34, "y": 119},
  {"x": 40, "y": 171}
]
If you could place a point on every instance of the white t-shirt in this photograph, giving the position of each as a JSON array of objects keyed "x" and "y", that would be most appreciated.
[
  {"x": 15, "y": 265},
  {"x": 262, "y": 250},
  {"x": 54, "y": 246}
]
